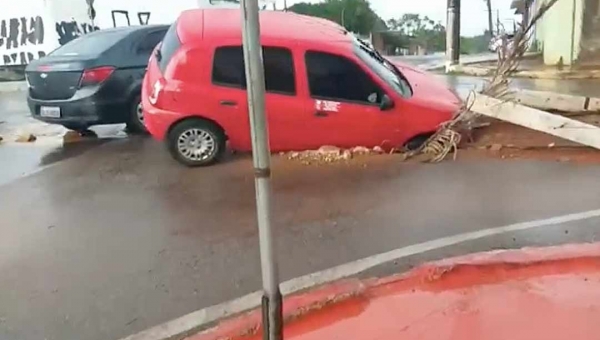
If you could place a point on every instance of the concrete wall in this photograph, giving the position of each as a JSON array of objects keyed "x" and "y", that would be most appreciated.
[
  {"x": 590, "y": 39},
  {"x": 559, "y": 32},
  {"x": 25, "y": 33}
]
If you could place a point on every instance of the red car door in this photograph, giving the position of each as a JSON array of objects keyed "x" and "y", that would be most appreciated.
[
  {"x": 226, "y": 98},
  {"x": 282, "y": 104},
  {"x": 344, "y": 103}
]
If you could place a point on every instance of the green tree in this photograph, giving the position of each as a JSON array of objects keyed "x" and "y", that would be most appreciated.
[
  {"x": 355, "y": 15},
  {"x": 421, "y": 30}
]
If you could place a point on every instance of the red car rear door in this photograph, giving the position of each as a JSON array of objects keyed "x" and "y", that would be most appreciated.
[{"x": 282, "y": 104}]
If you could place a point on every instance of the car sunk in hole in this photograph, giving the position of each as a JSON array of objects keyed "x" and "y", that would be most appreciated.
[
  {"x": 94, "y": 79},
  {"x": 323, "y": 87}
]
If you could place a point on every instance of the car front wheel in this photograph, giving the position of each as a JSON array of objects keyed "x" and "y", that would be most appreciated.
[{"x": 196, "y": 143}]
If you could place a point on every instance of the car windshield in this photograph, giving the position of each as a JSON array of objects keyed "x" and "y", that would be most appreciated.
[
  {"x": 383, "y": 68},
  {"x": 90, "y": 44}
]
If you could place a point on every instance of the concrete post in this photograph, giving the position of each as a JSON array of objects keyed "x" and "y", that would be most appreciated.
[
  {"x": 453, "y": 34},
  {"x": 255, "y": 79}
]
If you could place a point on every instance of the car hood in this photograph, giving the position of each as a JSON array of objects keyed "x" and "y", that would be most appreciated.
[{"x": 427, "y": 89}]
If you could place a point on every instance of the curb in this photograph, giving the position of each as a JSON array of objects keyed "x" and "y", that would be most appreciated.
[
  {"x": 241, "y": 318},
  {"x": 495, "y": 261},
  {"x": 13, "y": 86},
  {"x": 500, "y": 263},
  {"x": 294, "y": 307}
]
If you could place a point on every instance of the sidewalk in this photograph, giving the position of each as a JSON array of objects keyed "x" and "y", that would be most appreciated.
[
  {"x": 13, "y": 86},
  {"x": 544, "y": 293}
]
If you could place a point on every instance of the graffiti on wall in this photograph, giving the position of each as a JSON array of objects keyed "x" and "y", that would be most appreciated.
[
  {"x": 121, "y": 18},
  {"x": 69, "y": 30},
  {"x": 18, "y": 35}
]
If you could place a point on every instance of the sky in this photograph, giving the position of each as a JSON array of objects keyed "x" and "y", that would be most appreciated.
[{"x": 473, "y": 16}]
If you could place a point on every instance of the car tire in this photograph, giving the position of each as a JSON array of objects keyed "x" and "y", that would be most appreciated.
[
  {"x": 416, "y": 142},
  {"x": 135, "y": 123},
  {"x": 196, "y": 143}
]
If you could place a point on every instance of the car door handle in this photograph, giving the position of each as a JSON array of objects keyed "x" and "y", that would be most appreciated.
[
  {"x": 228, "y": 103},
  {"x": 321, "y": 114}
]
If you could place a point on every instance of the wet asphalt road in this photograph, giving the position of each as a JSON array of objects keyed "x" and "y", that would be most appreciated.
[{"x": 118, "y": 237}]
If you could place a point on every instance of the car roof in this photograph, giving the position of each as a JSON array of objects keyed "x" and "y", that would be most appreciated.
[
  {"x": 125, "y": 30},
  {"x": 208, "y": 24}
]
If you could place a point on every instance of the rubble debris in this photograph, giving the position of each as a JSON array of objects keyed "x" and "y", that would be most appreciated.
[
  {"x": 26, "y": 138},
  {"x": 361, "y": 150},
  {"x": 496, "y": 147},
  {"x": 331, "y": 154},
  {"x": 72, "y": 137},
  {"x": 328, "y": 150}
]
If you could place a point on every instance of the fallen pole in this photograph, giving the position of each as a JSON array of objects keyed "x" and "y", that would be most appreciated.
[
  {"x": 544, "y": 100},
  {"x": 538, "y": 120},
  {"x": 255, "y": 81}
]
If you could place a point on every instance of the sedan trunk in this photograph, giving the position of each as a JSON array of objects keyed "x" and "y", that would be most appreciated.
[{"x": 55, "y": 78}]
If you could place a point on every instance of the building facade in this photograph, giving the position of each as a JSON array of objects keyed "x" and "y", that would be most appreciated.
[{"x": 569, "y": 33}]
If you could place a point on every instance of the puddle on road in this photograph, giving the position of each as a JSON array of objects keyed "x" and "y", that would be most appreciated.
[{"x": 21, "y": 159}]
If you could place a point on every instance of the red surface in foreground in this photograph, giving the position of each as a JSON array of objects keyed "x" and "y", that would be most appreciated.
[{"x": 551, "y": 293}]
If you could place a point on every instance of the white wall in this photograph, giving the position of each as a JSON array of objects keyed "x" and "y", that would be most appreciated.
[{"x": 19, "y": 44}]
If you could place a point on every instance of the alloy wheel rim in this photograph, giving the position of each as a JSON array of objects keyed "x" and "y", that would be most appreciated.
[
  {"x": 140, "y": 112},
  {"x": 196, "y": 144}
]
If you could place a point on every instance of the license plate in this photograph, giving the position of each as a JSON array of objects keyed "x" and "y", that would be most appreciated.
[{"x": 50, "y": 111}]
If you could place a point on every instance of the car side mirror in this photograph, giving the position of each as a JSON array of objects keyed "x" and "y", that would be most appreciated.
[{"x": 386, "y": 103}]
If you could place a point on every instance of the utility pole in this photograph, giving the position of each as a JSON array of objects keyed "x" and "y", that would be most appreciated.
[
  {"x": 272, "y": 313},
  {"x": 285, "y": 5},
  {"x": 490, "y": 17},
  {"x": 453, "y": 34}
]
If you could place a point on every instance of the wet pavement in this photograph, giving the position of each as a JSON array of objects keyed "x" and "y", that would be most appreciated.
[
  {"x": 122, "y": 238},
  {"x": 439, "y": 60},
  {"x": 116, "y": 237},
  {"x": 20, "y": 159}
]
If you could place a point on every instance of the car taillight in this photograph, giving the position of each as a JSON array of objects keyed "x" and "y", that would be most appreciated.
[{"x": 95, "y": 76}]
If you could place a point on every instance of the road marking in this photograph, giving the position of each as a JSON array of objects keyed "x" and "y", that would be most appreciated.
[{"x": 196, "y": 321}]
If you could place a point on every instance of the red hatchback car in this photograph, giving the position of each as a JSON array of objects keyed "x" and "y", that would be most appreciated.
[{"x": 324, "y": 87}]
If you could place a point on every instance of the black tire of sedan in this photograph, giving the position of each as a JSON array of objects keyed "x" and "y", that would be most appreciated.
[
  {"x": 196, "y": 143},
  {"x": 135, "y": 122}
]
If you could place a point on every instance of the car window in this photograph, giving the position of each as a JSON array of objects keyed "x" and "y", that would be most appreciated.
[
  {"x": 336, "y": 77},
  {"x": 90, "y": 44},
  {"x": 228, "y": 69},
  {"x": 170, "y": 45},
  {"x": 149, "y": 42}
]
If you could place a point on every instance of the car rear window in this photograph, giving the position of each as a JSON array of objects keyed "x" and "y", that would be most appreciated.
[
  {"x": 169, "y": 46},
  {"x": 90, "y": 44}
]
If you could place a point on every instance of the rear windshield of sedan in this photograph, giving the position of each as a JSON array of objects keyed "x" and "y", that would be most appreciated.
[{"x": 90, "y": 44}]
